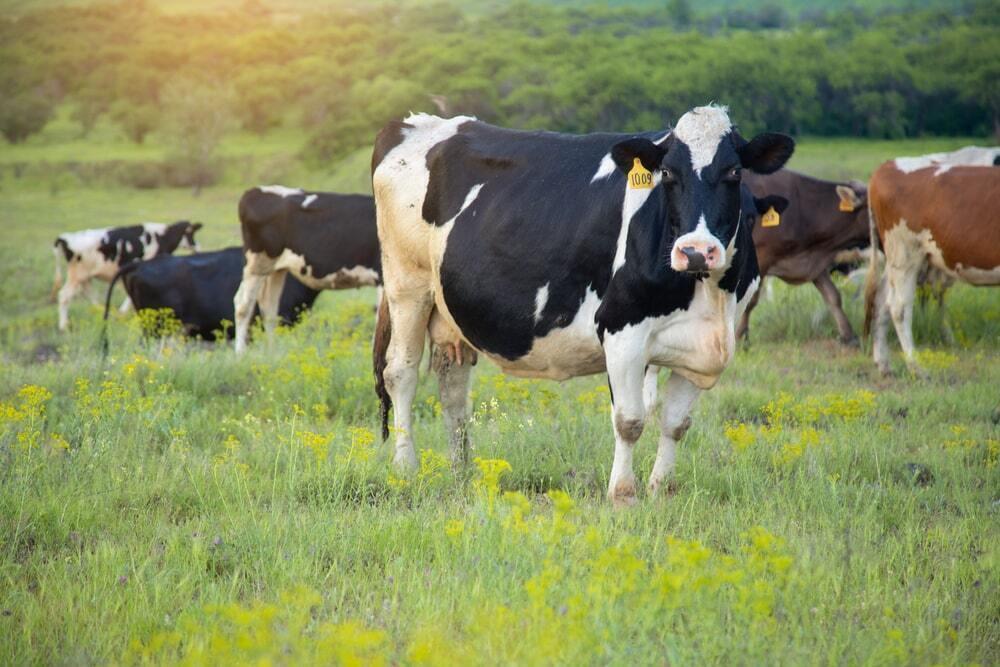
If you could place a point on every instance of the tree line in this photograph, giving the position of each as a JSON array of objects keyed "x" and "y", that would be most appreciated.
[{"x": 340, "y": 73}]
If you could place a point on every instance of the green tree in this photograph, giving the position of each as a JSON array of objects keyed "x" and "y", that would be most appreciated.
[{"x": 197, "y": 114}]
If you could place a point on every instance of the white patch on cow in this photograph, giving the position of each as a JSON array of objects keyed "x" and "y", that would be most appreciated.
[
  {"x": 308, "y": 200},
  {"x": 604, "y": 169},
  {"x": 969, "y": 156},
  {"x": 702, "y": 238},
  {"x": 280, "y": 190},
  {"x": 905, "y": 248},
  {"x": 634, "y": 199},
  {"x": 541, "y": 298},
  {"x": 346, "y": 278},
  {"x": 128, "y": 246},
  {"x": 701, "y": 130},
  {"x": 565, "y": 352}
]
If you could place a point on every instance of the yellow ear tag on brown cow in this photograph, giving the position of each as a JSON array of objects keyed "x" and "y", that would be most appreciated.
[
  {"x": 770, "y": 219},
  {"x": 846, "y": 206},
  {"x": 639, "y": 178}
]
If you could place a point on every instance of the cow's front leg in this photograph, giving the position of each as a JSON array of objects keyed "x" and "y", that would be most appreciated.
[
  {"x": 678, "y": 399},
  {"x": 831, "y": 295},
  {"x": 244, "y": 304},
  {"x": 626, "y": 372}
]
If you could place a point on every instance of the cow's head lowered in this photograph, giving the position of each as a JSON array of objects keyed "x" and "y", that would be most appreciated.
[
  {"x": 695, "y": 171},
  {"x": 179, "y": 235}
]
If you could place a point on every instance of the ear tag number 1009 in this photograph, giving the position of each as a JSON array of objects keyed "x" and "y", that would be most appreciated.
[{"x": 639, "y": 178}]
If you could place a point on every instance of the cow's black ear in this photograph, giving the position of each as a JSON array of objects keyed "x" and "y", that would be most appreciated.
[
  {"x": 625, "y": 152},
  {"x": 777, "y": 202},
  {"x": 195, "y": 226},
  {"x": 766, "y": 153}
]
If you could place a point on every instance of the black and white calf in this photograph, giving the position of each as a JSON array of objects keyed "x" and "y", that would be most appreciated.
[
  {"x": 100, "y": 253},
  {"x": 200, "y": 288},
  {"x": 327, "y": 241},
  {"x": 558, "y": 256}
]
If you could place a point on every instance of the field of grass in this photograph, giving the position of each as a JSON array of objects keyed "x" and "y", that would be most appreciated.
[{"x": 173, "y": 502}]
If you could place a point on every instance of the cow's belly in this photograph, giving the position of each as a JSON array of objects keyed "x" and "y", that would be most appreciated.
[{"x": 344, "y": 278}]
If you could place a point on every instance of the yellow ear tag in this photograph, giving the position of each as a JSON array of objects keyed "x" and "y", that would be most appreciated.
[
  {"x": 639, "y": 178},
  {"x": 846, "y": 206},
  {"x": 770, "y": 219}
]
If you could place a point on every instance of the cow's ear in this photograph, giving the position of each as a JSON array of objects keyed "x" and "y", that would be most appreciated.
[
  {"x": 777, "y": 202},
  {"x": 766, "y": 153},
  {"x": 195, "y": 226},
  {"x": 849, "y": 199},
  {"x": 624, "y": 154}
]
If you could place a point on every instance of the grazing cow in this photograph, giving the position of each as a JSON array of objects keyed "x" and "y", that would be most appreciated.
[
  {"x": 328, "y": 241},
  {"x": 200, "y": 288},
  {"x": 100, "y": 253},
  {"x": 558, "y": 256},
  {"x": 804, "y": 242},
  {"x": 939, "y": 214}
]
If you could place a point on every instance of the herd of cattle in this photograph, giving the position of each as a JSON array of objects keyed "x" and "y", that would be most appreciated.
[{"x": 557, "y": 256}]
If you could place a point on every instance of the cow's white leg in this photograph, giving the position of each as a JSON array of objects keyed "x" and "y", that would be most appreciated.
[
  {"x": 126, "y": 305},
  {"x": 454, "y": 372},
  {"x": 649, "y": 387},
  {"x": 626, "y": 371},
  {"x": 244, "y": 304},
  {"x": 270, "y": 299},
  {"x": 901, "y": 279},
  {"x": 409, "y": 313},
  {"x": 92, "y": 295},
  {"x": 679, "y": 398},
  {"x": 66, "y": 293},
  {"x": 880, "y": 339}
]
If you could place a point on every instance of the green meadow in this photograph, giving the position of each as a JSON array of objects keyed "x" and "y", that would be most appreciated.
[{"x": 172, "y": 503}]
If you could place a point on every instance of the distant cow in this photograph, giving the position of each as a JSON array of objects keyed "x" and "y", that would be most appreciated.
[
  {"x": 327, "y": 241},
  {"x": 100, "y": 253},
  {"x": 199, "y": 289},
  {"x": 932, "y": 212},
  {"x": 558, "y": 256},
  {"x": 801, "y": 244}
]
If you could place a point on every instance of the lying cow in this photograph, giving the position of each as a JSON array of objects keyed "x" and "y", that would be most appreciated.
[
  {"x": 100, "y": 253},
  {"x": 558, "y": 256},
  {"x": 199, "y": 289},
  {"x": 327, "y": 241},
  {"x": 823, "y": 222},
  {"x": 931, "y": 212}
]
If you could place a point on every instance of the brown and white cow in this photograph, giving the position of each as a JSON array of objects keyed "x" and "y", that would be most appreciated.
[
  {"x": 928, "y": 213},
  {"x": 327, "y": 240},
  {"x": 100, "y": 253},
  {"x": 823, "y": 221}
]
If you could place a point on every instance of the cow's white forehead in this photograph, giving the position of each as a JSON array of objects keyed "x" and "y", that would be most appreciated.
[{"x": 701, "y": 130}]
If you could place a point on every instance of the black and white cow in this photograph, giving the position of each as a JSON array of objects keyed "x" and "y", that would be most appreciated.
[
  {"x": 100, "y": 253},
  {"x": 327, "y": 241},
  {"x": 558, "y": 256},
  {"x": 200, "y": 288}
]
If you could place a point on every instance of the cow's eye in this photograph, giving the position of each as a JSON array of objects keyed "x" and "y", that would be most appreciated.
[
  {"x": 733, "y": 174},
  {"x": 668, "y": 175}
]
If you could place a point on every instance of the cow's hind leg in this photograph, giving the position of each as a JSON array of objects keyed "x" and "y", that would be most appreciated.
[
  {"x": 880, "y": 338},
  {"x": 66, "y": 293},
  {"x": 831, "y": 295},
  {"x": 678, "y": 400},
  {"x": 409, "y": 313},
  {"x": 901, "y": 282},
  {"x": 270, "y": 299}
]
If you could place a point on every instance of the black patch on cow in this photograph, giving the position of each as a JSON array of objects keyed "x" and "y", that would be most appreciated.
[
  {"x": 335, "y": 232},
  {"x": 388, "y": 138},
  {"x": 66, "y": 251},
  {"x": 200, "y": 289},
  {"x": 122, "y": 244},
  {"x": 172, "y": 236}
]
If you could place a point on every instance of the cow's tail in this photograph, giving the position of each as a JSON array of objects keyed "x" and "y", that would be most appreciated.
[
  {"x": 874, "y": 275},
  {"x": 57, "y": 280},
  {"x": 128, "y": 268},
  {"x": 383, "y": 333}
]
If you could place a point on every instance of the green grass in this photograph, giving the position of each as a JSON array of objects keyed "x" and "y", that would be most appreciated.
[{"x": 188, "y": 504}]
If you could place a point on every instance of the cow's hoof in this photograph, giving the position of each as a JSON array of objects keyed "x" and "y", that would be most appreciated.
[
  {"x": 664, "y": 488},
  {"x": 851, "y": 341},
  {"x": 623, "y": 493}
]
